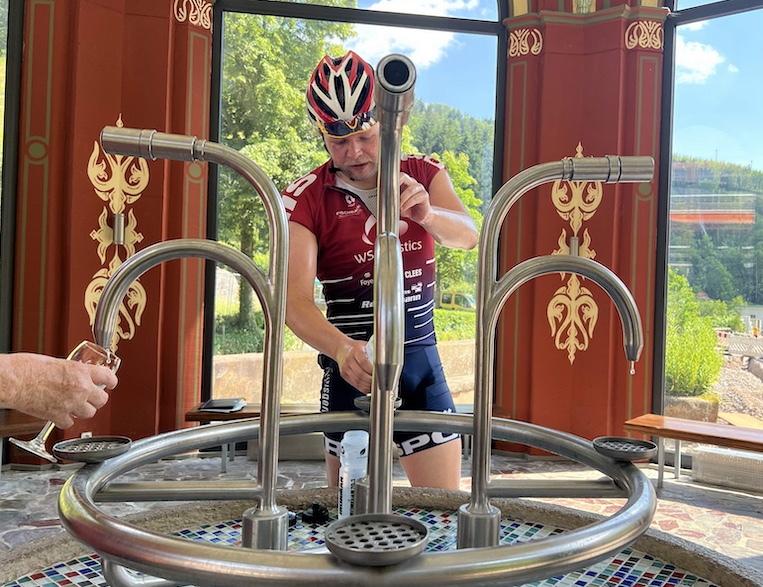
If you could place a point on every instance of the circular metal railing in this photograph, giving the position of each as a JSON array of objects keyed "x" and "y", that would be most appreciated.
[{"x": 187, "y": 562}]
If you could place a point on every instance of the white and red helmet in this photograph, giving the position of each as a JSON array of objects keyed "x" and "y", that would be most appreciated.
[{"x": 340, "y": 95}]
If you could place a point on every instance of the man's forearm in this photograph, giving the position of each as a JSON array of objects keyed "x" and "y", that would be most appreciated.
[
  {"x": 451, "y": 229},
  {"x": 310, "y": 325}
]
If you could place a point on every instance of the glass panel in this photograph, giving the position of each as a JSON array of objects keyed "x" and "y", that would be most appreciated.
[
  {"x": 266, "y": 64},
  {"x": 471, "y": 9},
  {"x": 715, "y": 298}
]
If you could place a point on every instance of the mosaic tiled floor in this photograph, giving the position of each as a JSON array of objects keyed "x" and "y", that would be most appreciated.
[{"x": 629, "y": 568}]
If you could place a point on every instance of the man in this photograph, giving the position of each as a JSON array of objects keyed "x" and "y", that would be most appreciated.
[
  {"x": 331, "y": 235},
  {"x": 53, "y": 389}
]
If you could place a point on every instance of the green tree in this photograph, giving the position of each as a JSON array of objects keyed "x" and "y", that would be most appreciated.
[
  {"x": 723, "y": 314},
  {"x": 266, "y": 64},
  {"x": 709, "y": 274},
  {"x": 438, "y": 128},
  {"x": 692, "y": 362},
  {"x": 455, "y": 266}
]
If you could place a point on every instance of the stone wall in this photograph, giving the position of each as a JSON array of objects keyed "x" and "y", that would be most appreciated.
[{"x": 691, "y": 408}]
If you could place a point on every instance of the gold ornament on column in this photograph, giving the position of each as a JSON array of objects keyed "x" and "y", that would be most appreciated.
[
  {"x": 525, "y": 42},
  {"x": 573, "y": 312},
  {"x": 583, "y": 6},
  {"x": 197, "y": 12},
  {"x": 119, "y": 181},
  {"x": 644, "y": 34}
]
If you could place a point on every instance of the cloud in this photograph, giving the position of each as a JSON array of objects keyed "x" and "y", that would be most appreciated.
[
  {"x": 423, "y": 47},
  {"x": 431, "y": 7},
  {"x": 695, "y": 62},
  {"x": 733, "y": 68},
  {"x": 694, "y": 26}
]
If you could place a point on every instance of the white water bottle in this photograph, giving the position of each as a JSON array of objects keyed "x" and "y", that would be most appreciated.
[{"x": 354, "y": 459}]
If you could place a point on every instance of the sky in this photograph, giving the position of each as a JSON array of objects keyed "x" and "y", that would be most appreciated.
[
  {"x": 719, "y": 73},
  {"x": 454, "y": 69},
  {"x": 718, "y": 110}
]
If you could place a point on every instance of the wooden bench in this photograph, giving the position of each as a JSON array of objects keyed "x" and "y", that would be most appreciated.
[
  {"x": 739, "y": 419},
  {"x": 13, "y": 423},
  {"x": 680, "y": 429}
]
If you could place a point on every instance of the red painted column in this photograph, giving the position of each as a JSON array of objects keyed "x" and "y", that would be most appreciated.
[{"x": 579, "y": 84}]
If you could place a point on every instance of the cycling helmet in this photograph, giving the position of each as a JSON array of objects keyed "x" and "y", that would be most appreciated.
[{"x": 340, "y": 95}]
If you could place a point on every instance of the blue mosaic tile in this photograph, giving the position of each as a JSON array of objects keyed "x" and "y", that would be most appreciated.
[{"x": 628, "y": 568}]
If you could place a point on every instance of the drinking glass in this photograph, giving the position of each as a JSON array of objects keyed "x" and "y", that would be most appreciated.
[{"x": 85, "y": 352}]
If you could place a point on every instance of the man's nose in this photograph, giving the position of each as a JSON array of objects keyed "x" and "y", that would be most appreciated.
[{"x": 354, "y": 147}]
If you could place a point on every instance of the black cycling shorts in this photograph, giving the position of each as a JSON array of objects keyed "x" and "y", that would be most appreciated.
[{"x": 422, "y": 387}]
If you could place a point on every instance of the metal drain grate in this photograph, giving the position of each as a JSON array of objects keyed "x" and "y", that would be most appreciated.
[
  {"x": 91, "y": 450},
  {"x": 376, "y": 539},
  {"x": 625, "y": 449}
]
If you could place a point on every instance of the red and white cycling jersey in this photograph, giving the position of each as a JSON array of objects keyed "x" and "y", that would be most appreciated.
[{"x": 345, "y": 231}]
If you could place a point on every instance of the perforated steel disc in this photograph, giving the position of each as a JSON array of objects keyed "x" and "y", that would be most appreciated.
[
  {"x": 91, "y": 450},
  {"x": 376, "y": 539},
  {"x": 625, "y": 449}
]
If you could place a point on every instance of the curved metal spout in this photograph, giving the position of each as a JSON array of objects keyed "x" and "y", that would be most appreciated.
[
  {"x": 478, "y": 523},
  {"x": 107, "y": 312},
  {"x": 267, "y": 526},
  {"x": 633, "y": 332}
]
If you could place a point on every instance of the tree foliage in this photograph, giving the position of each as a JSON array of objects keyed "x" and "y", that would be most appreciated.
[
  {"x": 692, "y": 362},
  {"x": 266, "y": 63},
  {"x": 438, "y": 128}
]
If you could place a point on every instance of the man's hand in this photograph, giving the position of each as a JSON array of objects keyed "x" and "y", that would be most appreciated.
[
  {"x": 414, "y": 200},
  {"x": 54, "y": 389},
  {"x": 354, "y": 366}
]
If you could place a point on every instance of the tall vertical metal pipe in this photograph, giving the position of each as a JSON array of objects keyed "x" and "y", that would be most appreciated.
[{"x": 395, "y": 80}]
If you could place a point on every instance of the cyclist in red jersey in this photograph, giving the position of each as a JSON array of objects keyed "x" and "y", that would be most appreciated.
[{"x": 332, "y": 228}]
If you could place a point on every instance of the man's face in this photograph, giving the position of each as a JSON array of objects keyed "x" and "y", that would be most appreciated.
[{"x": 356, "y": 156}]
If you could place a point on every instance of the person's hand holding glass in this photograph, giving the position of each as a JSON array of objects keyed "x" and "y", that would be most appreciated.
[{"x": 80, "y": 392}]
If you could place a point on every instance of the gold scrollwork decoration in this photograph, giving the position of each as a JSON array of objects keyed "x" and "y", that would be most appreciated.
[
  {"x": 644, "y": 34},
  {"x": 579, "y": 205},
  {"x": 197, "y": 12},
  {"x": 132, "y": 236},
  {"x": 130, "y": 310},
  {"x": 572, "y": 312},
  {"x": 525, "y": 42},
  {"x": 119, "y": 181},
  {"x": 583, "y": 6},
  {"x": 572, "y": 315},
  {"x": 104, "y": 236},
  {"x": 584, "y": 248}
]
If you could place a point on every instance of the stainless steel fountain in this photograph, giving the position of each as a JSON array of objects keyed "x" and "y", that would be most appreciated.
[{"x": 264, "y": 559}]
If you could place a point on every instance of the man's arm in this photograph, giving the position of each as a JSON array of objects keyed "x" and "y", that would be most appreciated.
[
  {"x": 307, "y": 321},
  {"x": 439, "y": 210},
  {"x": 53, "y": 389}
]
